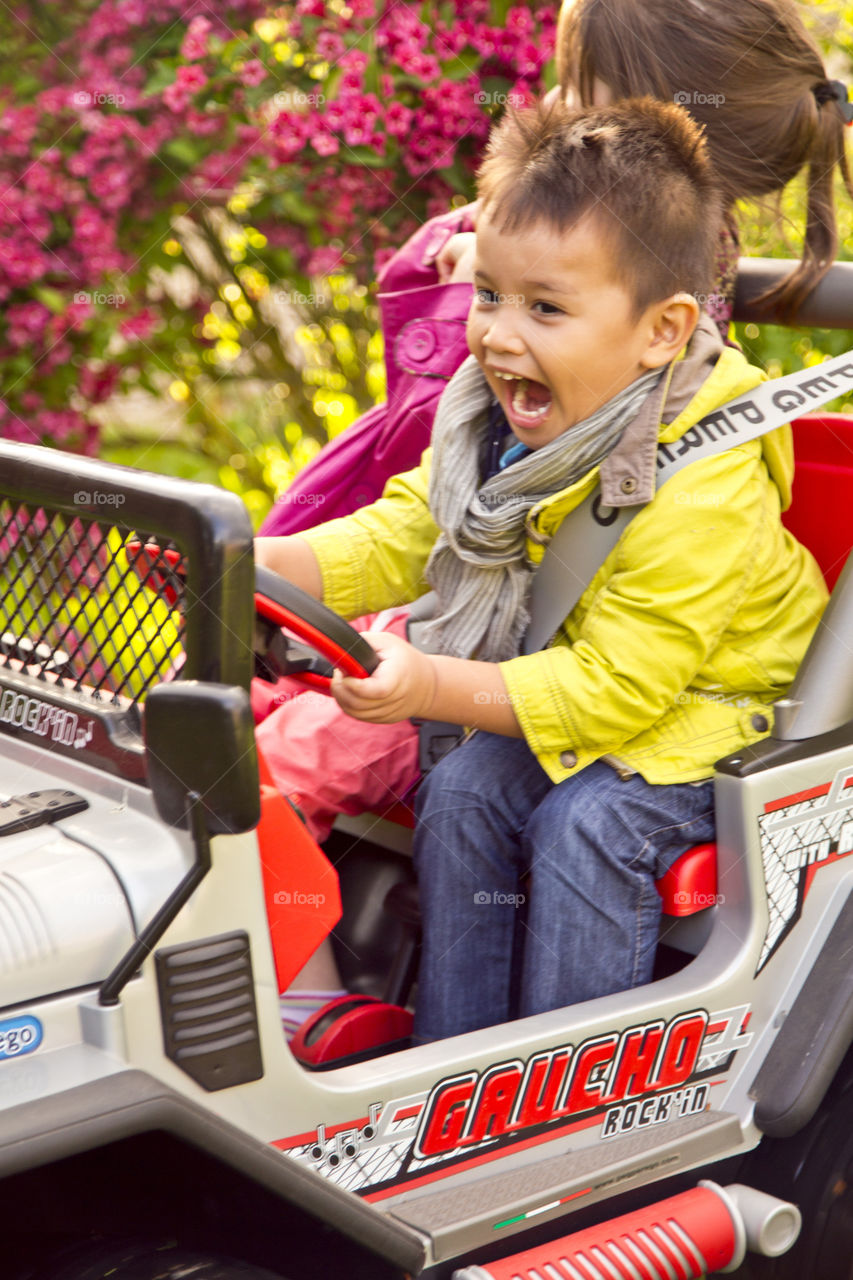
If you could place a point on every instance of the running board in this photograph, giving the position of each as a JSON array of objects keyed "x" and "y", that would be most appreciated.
[
  {"x": 462, "y": 1217},
  {"x": 707, "y": 1229}
]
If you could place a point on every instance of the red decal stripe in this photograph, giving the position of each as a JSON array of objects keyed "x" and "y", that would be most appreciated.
[{"x": 811, "y": 794}]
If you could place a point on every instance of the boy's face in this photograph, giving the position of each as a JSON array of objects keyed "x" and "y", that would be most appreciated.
[{"x": 552, "y": 327}]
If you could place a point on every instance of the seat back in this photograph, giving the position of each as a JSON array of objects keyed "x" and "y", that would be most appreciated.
[{"x": 821, "y": 515}]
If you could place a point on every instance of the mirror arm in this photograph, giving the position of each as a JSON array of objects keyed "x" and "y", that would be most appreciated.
[{"x": 114, "y": 984}]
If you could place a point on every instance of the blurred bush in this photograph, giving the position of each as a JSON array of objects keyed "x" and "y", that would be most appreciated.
[{"x": 195, "y": 204}]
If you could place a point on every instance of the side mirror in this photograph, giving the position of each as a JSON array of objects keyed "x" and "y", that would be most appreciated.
[{"x": 200, "y": 740}]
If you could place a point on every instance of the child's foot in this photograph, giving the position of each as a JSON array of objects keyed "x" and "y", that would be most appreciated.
[{"x": 296, "y": 1006}]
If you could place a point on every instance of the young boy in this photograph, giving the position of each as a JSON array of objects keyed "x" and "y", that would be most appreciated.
[{"x": 592, "y": 769}]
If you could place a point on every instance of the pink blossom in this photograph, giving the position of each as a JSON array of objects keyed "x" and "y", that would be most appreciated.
[
  {"x": 323, "y": 261},
  {"x": 195, "y": 43},
  {"x": 330, "y": 47},
  {"x": 324, "y": 143},
  {"x": 398, "y": 120},
  {"x": 176, "y": 98},
  {"x": 140, "y": 326},
  {"x": 192, "y": 78},
  {"x": 289, "y": 132},
  {"x": 98, "y": 382},
  {"x": 17, "y": 430},
  {"x": 409, "y": 58},
  {"x": 26, "y": 323},
  {"x": 253, "y": 73},
  {"x": 59, "y": 424},
  {"x": 519, "y": 21}
]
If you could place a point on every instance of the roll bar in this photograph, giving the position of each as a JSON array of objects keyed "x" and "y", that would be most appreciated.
[{"x": 828, "y": 306}]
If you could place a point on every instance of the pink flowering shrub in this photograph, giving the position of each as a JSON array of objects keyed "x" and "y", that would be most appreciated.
[{"x": 329, "y": 130}]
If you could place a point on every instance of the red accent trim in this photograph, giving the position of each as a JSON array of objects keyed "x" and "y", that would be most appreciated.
[
  {"x": 813, "y": 792},
  {"x": 310, "y": 635},
  {"x": 408, "y": 1112}
]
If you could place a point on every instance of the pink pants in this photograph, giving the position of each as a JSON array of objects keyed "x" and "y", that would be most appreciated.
[{"x": 328, "y": 763}]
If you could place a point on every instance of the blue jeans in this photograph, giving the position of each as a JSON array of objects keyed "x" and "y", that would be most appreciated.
[{"x": 536, "y": 895}]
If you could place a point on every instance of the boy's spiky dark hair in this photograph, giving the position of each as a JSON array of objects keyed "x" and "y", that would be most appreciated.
[{"x": 639, "y": 167}]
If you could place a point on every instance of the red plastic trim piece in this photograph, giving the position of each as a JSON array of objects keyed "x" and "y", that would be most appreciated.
[
  {"x": 310, "y": 635},
  {"x": 690, "y": 885},
  {"x": 684, "y": 1237},
  {"x": 351, "y": 1024}
]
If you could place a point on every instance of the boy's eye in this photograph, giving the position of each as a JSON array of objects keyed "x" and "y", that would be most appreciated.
[
  {"x": 547, "y": 308},
  {"x": 486, "y": 295}
]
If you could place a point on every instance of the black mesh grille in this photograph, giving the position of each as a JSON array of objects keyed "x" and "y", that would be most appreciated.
[{"x": 82, "y": 607}]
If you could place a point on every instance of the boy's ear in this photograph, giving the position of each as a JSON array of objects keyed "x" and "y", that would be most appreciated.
[{"x": 672, "y": 322}]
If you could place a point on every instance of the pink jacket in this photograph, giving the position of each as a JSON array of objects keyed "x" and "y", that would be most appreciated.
[{"x": 424, "y": 326}]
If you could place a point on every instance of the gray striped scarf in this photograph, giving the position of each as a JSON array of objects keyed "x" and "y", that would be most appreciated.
[{"x": 478, "y": 567}]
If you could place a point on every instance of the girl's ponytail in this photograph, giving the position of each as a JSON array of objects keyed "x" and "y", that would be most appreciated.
[{"x": 831, "y": 112}]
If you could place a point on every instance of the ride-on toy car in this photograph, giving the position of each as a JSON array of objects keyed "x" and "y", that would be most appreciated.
[{"x": 156, "y": 894}]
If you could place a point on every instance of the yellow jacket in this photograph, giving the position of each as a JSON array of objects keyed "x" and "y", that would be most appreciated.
[{"x": 694, "y": 624}]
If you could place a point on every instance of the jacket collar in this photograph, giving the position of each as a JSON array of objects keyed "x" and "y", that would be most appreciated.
[{"x": 628, "y": 473}]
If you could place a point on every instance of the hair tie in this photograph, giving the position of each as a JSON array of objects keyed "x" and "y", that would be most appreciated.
[{"x": 834, "y": 91}]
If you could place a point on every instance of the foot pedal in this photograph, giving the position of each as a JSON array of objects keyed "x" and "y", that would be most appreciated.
[{"x": 349, "y": 1025}]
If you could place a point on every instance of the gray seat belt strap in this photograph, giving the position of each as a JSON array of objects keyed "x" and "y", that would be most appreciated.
[{"x": 588, "y": 534}]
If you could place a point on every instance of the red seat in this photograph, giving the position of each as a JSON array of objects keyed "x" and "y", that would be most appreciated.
[{"x": 821, "y": 517}]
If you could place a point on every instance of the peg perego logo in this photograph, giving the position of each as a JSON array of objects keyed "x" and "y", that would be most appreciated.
[{"x": 44, "y": 720}]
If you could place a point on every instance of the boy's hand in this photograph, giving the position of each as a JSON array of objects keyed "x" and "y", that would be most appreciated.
[
  {"x": 404, "y": 685},
  {"x": 409, "y": 683}
]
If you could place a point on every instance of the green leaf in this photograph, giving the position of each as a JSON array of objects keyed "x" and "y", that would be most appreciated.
[
  {"x": 163, "y": 75},
  {"x": 461, "y": 66},
  {"x": 52, "y": 298},
  {"x": 185, "y": 150}
]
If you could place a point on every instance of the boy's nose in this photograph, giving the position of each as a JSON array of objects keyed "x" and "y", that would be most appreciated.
[{"x": 502, "y": 334}]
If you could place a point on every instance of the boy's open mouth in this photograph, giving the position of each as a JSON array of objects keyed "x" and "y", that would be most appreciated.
[{"x": 529, "y": 400}]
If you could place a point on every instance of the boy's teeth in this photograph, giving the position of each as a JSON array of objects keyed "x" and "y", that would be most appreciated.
[{"x": 519, "y": 407}]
